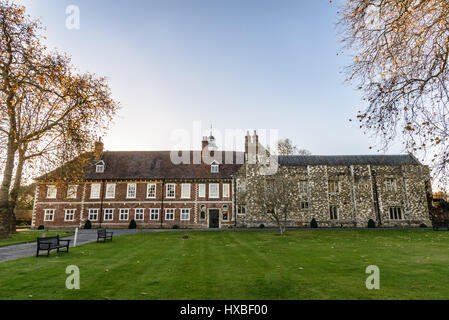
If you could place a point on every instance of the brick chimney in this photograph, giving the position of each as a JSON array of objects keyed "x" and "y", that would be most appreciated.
[
  {"x": 98, "y": 151},
  {"x": 204, "y": 143}
]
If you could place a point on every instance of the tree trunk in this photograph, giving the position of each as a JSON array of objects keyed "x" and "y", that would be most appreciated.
[
  {"x": 5, "y": 212},
  {"x": 15, "y": 191}
]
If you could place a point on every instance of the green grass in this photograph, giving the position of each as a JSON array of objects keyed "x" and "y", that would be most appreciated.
[
  {"x": 30, "y": 236},
  {"x": 241, "y": 265}
]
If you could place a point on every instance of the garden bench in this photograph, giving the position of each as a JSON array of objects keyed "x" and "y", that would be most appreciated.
[
  {"x": 51, "y": 243},
  {"x": 103, "y": 234}
]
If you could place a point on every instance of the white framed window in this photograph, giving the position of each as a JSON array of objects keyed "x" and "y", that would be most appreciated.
[
  {"x": 93, "y": 214},
  {"x": 333, "y": 211},
  {"x": 171, "y": 190},
  {"x": 49, "y": 214},
  {"x": 390, "y": 185},
  {"x": 185, "y": 190},
  {"x": 108, "y": 214},
  {"x": 151, "y": 190},
  {"x": 69, "y": 215},
  {"x": 170, "y": 214},
  {"x": 51, "y": 192},
  {"x": 395, "y": 213},
  {"x": 72, "y": 190},
  {"x": 226, "y": 190},
  {"x": 185, "y": 214},
  {"x": 201, "y": 190},
  {"x": 110, "y": 191},
  {"x": 241, "y": 210},
  {"x": 95, "y": 190},
  {"x": 304, "y": 205},
  {"x": 333, "y": 186},
  {"x": 225, "y": 213},
  {"x": 303, "y": 186},
  {"x": 123, "y": 214},
  {"x": 214, "y": 190},
  {"x": 131, "y": 190},
  {"x": 203, "y": 210},
  {"x": 154, "y": 214},
  {"x": 99, "y": 168},
  {"x": 241, "y": 186},
  {"x": 214, "y": 168},
  {"x": 139, "y": 214}
]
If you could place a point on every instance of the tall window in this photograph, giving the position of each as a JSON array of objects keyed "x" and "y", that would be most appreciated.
[
  {"x": 395, "y": 213},
  {"x": 304, "y": 205},
  {"x": 214, "y": 190},
  {"x": 170, "y": 190},
  {"x": 131, "y": 190},
  {"x": 225, "y": 213},
  {"x": 69, "y": 215},
  {"x": 169, "y": 214},
  {"x": 226, "y": 190},
  {"x": 72, "y": 191},
  {"x": 151, "y": 190},
  {"x": 333, "y": 212},
  {"x": 139, "y": 214},
  {"x": 390, "y": 185},
  {"x": 333, "y": 186},
  {"x": 214, "y": 168},
  {"x": 202, "y": 190},
  {"x": 185, "y": 190},
  {"x": 95, "y": 191},
  {"x": 108, "y": 214},
  {"x": 203, "y": 212},
  {"x": 51, "y": 192},
  {"x": 154, "y": 214},
  {"x": 49, "y": 214},
  {"x": 93, "y": 214},
  {"x": 110, "y": 191},
  {"x": 185, "y": 214},
  {"x": 241, "y": 210},
  {"x": 124, "y": 214},
  {"x": 303, "y": 187}
]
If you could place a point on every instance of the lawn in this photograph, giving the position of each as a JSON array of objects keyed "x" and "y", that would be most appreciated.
[
  {"x": 317, "y": 264},
  {"x": 30, "y": 236}
]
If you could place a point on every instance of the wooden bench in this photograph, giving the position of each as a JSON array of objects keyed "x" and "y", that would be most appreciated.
[
  {"x": 103, "y": 234},
  {"x": 51, "y": 243}
]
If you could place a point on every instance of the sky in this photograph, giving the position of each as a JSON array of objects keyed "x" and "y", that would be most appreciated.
[{"x": 229, "y": 64}]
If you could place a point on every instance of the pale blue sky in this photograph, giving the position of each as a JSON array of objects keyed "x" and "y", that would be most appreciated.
[{"x": 231, "y": 64}]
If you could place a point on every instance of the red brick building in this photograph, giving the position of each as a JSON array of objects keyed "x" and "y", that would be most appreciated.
[{"x": 151, "y": 187}]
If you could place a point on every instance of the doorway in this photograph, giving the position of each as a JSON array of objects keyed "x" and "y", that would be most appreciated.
[{"x": 214, "y": 218}]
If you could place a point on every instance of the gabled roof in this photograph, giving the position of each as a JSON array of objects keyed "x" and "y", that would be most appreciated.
[
  {"x": 388, "y": 160},
  {"x": 127, "y": 165}
]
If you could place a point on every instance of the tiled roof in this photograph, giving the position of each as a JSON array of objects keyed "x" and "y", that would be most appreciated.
[{"x": 388, "y": 160}]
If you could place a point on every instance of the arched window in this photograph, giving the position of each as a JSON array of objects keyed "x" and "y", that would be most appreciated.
[
  {"x": 225, "y": 213},
  {"x": 203, "y": 212}
]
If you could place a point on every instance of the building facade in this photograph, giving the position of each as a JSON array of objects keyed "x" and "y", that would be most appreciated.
[{"x": 216, "y": 189}]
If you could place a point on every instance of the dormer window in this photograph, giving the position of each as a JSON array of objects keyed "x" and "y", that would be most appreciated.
[
  {"x": 100, "y": 168},
  {"x": 214, "y": 168}
]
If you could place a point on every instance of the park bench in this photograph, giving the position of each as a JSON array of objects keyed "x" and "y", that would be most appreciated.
[
  {"x": 51, "y": 243},
  {"x": 103, "y": 234}
]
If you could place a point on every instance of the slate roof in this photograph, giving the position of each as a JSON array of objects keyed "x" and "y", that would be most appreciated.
[
  {"x": 123, "y": 165},
  {"x": 388, "y": 160}
]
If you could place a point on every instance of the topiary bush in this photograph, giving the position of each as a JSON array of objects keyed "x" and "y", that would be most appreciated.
[
  {"x": 371, "y": 223},
  {"x": 175, "y": 226},
  {"x": 132, "y": 224},
  {"x": 423, "y": 225},
  {"x": 313, "y": 224},
  {"x": 262, "y": 226},
  {"x": 41, "y": 227},
  {"x": 88, "y": 224}
]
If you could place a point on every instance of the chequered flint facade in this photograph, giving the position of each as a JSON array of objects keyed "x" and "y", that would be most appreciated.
[{"x": 218, "y": 191}]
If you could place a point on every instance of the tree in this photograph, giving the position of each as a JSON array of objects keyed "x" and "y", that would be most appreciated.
[
  {"x": 400, "y": 52},
  {"x": 286, "y": 147},
  {"x": 275, "y": 195},
  {"x": 49, "y": 113}
]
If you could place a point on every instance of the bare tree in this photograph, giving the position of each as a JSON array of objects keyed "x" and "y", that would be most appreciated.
[
  {"x": 49, "y": 113},
  {"x": 287, "y": 147},
  {"x": 400, "y": 52}
]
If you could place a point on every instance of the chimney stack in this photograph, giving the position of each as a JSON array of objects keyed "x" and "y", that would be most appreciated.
[
  {"x": 204, "y": 143},
  {"x": 98, "y": 151}
]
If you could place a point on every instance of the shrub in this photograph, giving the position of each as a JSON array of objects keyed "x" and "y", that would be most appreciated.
[
  {"x": 262, "y": 226},
  {"x": 88, "y": 224},
  {"x": 313, "y": 223},
  {"x": 175, "y": 226},
  {"x": 185, "y": 236},
  {"x": 423, "y": 225},
  {"x": 132, "y": 224},
  {"x": 371, "y": 223},
  {"x": 41, "y": 227}
]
